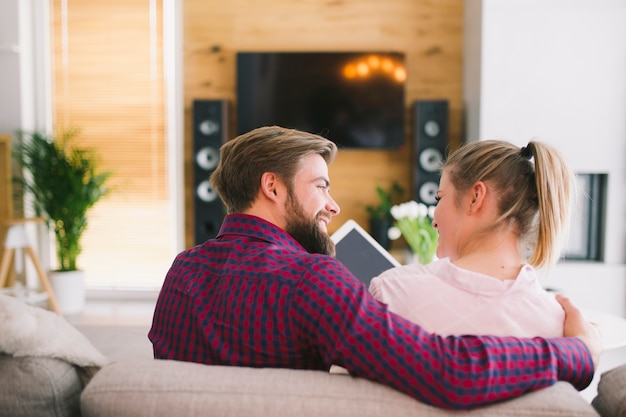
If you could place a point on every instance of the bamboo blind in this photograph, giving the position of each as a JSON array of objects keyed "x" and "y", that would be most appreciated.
[{"x": 108, "y": 84}]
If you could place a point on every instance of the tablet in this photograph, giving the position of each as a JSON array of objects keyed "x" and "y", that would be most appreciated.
[{"x": 360, "y": 252}]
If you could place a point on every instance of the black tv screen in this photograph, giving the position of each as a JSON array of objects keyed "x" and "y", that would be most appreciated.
[{"x": 355, "y": 99}]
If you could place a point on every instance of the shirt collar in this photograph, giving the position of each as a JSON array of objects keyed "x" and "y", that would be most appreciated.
[{"x": 239, "y": 224}]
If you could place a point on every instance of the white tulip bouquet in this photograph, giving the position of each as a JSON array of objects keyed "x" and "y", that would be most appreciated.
[{"x": 413, "y": 221}]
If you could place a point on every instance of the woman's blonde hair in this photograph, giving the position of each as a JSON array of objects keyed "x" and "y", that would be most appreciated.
[{"x": 535, "y": 198}]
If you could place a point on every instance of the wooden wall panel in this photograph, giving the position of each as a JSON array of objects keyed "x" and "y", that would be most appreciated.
[
  {"x": 6, "y": 193},
  {"x": 429, "y": 33}
]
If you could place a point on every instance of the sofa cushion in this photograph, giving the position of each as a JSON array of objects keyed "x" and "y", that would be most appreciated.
[
  {"x": 32, "y": 331},
  {"x": 169, "y": 388},
  {"x": 611, "y": 398},
  {"x": 38, "y": 387}
]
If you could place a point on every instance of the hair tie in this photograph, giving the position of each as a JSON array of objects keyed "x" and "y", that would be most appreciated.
[{"x": 526, "y": 152}]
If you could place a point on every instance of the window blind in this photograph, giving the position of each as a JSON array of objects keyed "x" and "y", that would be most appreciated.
[{"x": 109, "y": 84}]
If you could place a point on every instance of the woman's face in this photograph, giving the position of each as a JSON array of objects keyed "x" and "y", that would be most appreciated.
[{"x": 448, "y": 220}]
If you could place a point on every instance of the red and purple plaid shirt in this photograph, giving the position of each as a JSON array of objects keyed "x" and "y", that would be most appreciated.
[{"x": 255, "y": 297}]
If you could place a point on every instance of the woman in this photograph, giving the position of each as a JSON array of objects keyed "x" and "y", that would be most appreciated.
[{"x": 501, "y": 214}]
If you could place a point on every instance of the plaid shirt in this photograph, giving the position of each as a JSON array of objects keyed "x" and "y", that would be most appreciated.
[{"x": 254, "y": 297}]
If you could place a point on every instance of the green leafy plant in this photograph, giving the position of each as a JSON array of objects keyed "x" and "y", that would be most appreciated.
[
  {"x": 386, "y": 200},
  {"x": 65, "y": 183}
]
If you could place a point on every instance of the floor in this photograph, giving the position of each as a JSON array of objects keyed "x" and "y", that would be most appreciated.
[
  {"x": 117, "y": 326},
  {"x": 114, "y": 313}
]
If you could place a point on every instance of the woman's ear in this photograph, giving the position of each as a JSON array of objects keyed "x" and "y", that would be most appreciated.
[{"x": 478, "y": 196}]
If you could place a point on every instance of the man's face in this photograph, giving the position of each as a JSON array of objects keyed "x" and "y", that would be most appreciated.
[
  {"x": 310, "y": 207},
  {"x": 306, "y": 231}
]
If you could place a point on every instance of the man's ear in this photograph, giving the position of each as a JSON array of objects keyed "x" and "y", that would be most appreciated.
[
  {"x": 478, "y": 196},
  {"x": 270, "y": 185}
]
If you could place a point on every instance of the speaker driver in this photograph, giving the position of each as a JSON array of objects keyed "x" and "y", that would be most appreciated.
[
  {"x": 207, "y": 158},
  {"x": 209, "y": 127},
  {"x": 431, "y": 128},
  {"x": 430, "y": 159},
  {"x": 428, "y": 193},
  {"x": 206, "y": 192}
]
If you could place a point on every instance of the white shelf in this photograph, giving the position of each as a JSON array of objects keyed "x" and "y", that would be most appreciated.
[{"x": 613, "y": 328}]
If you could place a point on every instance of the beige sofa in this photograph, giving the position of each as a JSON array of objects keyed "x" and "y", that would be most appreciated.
[
  {"x": 168, "y": 388},
  {"x": 133, "y": 384},
  {"x": 143, "y": 387},
  {"x": 51, "y": 368}
]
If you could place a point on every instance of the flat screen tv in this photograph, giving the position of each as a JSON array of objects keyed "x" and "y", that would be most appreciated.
[{"x": 355, "y": 99}]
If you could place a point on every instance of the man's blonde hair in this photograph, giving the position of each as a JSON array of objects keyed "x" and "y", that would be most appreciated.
[{"x": 244, "y": 159}]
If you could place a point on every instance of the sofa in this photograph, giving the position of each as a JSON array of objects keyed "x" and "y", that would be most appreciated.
[{"x": 113, "y": 374}]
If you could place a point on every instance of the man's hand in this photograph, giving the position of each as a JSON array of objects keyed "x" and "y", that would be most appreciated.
[{"x": 575, "y": 325}]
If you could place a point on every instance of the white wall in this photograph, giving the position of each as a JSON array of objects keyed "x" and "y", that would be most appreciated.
[
  {"x": 24, "y": 66},
  {"x": 556, "y": 70},
  {"x": 25, "y": 83},
  {"x": 10, "y": 104}
]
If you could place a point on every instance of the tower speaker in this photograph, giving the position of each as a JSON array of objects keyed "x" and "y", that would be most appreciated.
[
  {"x": 209, "y": 133},
  {"x": 430, "y": 134}
]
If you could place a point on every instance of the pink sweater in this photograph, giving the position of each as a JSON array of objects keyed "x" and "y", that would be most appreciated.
[{"x": 448, "y": 300}]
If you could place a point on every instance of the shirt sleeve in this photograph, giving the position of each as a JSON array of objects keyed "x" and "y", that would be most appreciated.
[
  {"x": 375, "y": 289},
  {"x": 337, "y": 315}
]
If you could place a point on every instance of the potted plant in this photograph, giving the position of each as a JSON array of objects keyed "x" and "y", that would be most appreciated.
[
  {"x": 64, "y": 182},
  {"x": 380, "y": 214}
]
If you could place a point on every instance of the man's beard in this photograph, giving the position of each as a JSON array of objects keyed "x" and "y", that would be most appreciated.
[{"x": 307, "y": 232}]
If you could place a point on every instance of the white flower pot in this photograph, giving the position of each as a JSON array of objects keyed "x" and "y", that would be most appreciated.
[{"x": 69, "y": 290}]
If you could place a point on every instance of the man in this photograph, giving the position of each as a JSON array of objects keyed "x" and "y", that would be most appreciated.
[{"x": 267, "y": 293}]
